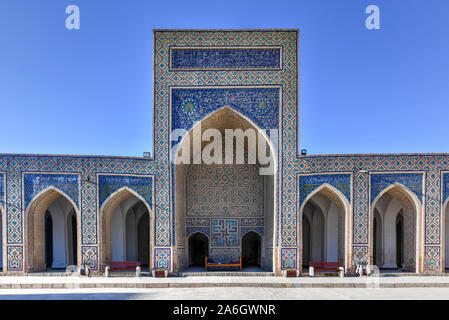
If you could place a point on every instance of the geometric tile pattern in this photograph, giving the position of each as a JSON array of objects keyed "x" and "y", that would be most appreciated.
[
  {"x": 225, "y": 255},
  {"x": 308, "y": 183},
  {"x": 191, "y": 230},
  {"x": 198, "y": 222},
  {"x": 224, "y": 191},
  {"x": 15, "y": 258},
  {"x": 288, "y": 258},
  {"x": 89, "y": 256},
  {"x": 162, "y": 258},
  {"x": 33, "y": 183},
  {"x": 225, "y": 232},
  {"x": 251, "y": 222},
  {"x": 244, "y": 230},
  {"x": 108, "y": 184},
  {"x": 433, "y": 259},
  {"x": 445, "y": 187},
  {"x": 227, "y": 58},
  {"x": 413, "y": 181},
  {"x": 190, "y": 105}
]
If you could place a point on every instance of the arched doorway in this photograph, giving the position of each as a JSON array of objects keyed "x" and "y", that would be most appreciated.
[
  {"x": 251, "y": 246},
  {"x": 222, "y": 195},
  {"x": 395, "y": 221},
  {"x": 50, "y": 242},
  {"x": 305, "y": 241},
  {"x": 143, "y": 238},
  {"x": 325, "y": 224},
  {"x": 198, "y": 249},
  {"x": 125, "y": 222}
]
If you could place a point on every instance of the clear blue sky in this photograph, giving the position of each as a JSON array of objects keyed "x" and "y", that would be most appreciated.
[{"x": 89, "y": 91}]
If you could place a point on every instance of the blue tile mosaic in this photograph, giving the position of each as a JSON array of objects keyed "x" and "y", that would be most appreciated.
[
  {"x": 445, "y": 186},
  {"x": 37, "y": 182},
  {"x": 413, "y": 181},
  {"x": 191, "y": 230},
  {"x": 308, "y": 183},
  {"x": 244, "y": 230},
  {"x": 108, "y": 184},
  {"x": 260, "y": 104},
  {"x": 198, "y": 222},
  {"x": 235, "y": 58},
  {"x": 251, "y": 221},
  {"x": 225, "y": 232},
  {"x": 224, "y": 255}
]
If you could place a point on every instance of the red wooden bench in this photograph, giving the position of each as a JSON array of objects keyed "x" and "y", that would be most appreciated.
[
  {"x": 326, "y": 266},
  {"x": 218, "y": 264},
  {"x": 123, "y": 266}
]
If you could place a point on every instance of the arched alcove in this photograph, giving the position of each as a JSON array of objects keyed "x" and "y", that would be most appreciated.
[
  {"x": 48, "y": 243},
  {"x": 251, "y": 249},
  {"x": 399, "y": 212},
  {"x": 126, "y": 222},
  {"x": 324, "y": 227},
  {"x": 198, "y": 249},
  {"x": 216, "y": 191}
]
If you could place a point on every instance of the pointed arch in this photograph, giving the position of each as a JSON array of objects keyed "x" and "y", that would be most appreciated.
[
  {"x": 208, "y": 117},
  {"x": 342, "y": 204},
  {"x": 248, "y": 231},
  {"x": 105, "y": 213},
  {"x": 34, "y": 227},
  {"x": 199, "y": 231},
  {"x": 202, "y": 251},
  {"x": 410, "y": 202},
  {"x": 225, "y": 118}
]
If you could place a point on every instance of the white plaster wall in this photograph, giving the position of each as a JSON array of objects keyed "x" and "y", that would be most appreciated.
[
  {"x": 317, "y": 235},
  {"x": 389, "y": 226},
  {"x": 131, "y": 235},
  {"x": 117, "y": 238},
  {"x": 332, "y": 233},
  {"x": 59, "y": 211},
  {"x": 124, "y": 229}
]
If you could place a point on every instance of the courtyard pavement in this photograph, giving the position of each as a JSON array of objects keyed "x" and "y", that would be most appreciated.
[
  {"x": 99, "y": 282},
  {"x": 259, "y": 293}
]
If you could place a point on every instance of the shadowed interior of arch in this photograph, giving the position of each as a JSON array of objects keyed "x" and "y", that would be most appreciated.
[
  {"x": 126, "y": 229},
  {"x": 394, "y": 230},
  {"x": 52, "y": 238},
  {"x": 323, "y": 229},
  {"x": 226, "y": 195}
]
